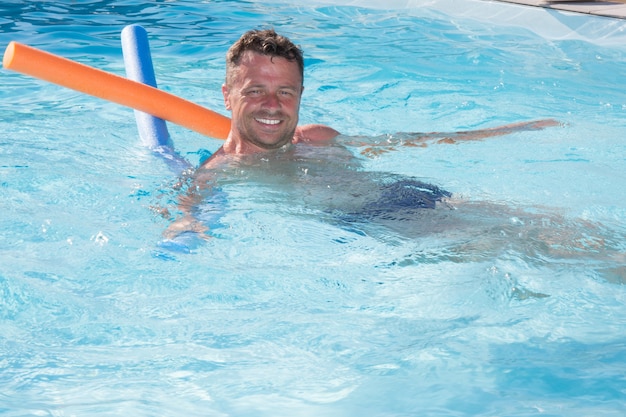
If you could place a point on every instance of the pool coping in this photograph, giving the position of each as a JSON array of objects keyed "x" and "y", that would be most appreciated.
[{"x": 608, "y": 8}]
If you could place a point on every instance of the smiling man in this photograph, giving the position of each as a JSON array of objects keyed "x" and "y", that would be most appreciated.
[{"x": 263, "y": 88}]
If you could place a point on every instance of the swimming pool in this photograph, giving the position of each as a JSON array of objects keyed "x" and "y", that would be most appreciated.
[{"x": 284, "y": 311}]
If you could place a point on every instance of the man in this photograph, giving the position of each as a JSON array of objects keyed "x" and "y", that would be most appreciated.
[
  {"x": 264, "y": 85},
  {"x": 263, "y": 90}
]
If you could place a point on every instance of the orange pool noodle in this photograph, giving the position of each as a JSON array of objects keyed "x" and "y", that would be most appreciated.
[{"x": 120, "y": 90}]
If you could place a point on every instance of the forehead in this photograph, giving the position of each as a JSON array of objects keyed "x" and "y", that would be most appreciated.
[{"x": 258, "y": 68}]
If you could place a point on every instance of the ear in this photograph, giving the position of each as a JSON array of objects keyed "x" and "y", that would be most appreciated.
[{"x": 226, "y": 94}]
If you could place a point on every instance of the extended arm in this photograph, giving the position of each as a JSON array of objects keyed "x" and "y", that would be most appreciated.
[
  {"x": 495, "y": 131},
  {"x": 381, "y": 144}
]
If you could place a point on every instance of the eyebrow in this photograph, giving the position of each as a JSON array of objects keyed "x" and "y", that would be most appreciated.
[{"x": 280, "y": 87}]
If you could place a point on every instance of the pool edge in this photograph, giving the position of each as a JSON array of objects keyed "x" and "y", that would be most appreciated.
[{"x": 611, "y": 8}]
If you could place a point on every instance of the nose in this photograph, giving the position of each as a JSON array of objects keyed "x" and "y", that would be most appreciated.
[{"x": 271, "y": 101}]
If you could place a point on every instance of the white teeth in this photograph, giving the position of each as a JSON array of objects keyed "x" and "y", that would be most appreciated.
[{"x": 268, "y": 121}]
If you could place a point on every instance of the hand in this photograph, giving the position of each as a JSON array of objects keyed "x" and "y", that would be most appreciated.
[
  {"x": 186, "y": 224},
  {"x": 534, "y": 125}
]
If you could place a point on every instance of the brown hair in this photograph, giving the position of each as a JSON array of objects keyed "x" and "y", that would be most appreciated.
[{"x": 265, "y": 42}]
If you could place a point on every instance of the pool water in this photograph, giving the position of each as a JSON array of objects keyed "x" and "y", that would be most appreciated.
[{"x": 513, "y": 304}]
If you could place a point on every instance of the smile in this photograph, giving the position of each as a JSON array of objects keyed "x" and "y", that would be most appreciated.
[{"x": 268, "y": 121}]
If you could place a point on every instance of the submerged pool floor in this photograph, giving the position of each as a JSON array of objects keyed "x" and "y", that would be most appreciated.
[{"x": 610, "y": 8}]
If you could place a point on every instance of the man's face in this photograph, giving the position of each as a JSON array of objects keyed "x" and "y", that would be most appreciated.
[{"x": 263, "y": 95}]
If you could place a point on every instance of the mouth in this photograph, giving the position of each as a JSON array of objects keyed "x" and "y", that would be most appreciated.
[{"x": 269, "y": 122}]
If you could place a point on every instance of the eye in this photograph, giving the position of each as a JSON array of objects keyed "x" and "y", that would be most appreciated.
[{"x": 254, "y": 92}]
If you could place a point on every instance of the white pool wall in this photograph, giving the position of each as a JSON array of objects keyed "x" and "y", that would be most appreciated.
[{"x": 549, "y": 23}]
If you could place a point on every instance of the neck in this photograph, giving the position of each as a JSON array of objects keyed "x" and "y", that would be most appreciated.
[{"x": 236, "y": 146}]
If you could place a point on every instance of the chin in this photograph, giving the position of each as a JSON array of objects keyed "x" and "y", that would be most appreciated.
[
  {"x": 277, "y": 145},
  {"x": 274, "y": 143}
]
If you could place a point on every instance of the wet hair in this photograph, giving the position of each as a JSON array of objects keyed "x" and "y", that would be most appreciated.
[{"x": 264, "y": 42}]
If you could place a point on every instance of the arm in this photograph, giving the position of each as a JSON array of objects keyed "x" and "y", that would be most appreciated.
[
  {"x": 187, "y": 222},
  {"x": 198, "y": 187},
  {"x": 382, "y": 144},
  {"x": 498, "y": 131}
]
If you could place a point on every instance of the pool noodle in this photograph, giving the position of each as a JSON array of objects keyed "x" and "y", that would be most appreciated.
[
  {"x": 67, "y": 73},
  {"x": 152, "y": 130},
  {"x": 138, "y": 63}
]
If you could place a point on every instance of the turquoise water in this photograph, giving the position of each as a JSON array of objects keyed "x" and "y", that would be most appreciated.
[{"x": 512, "y": 305}]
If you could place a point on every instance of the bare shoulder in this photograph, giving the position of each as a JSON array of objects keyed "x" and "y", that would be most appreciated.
[
  {"x": 214, "y": 160},
  {"x": 314, "y": 133}
]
